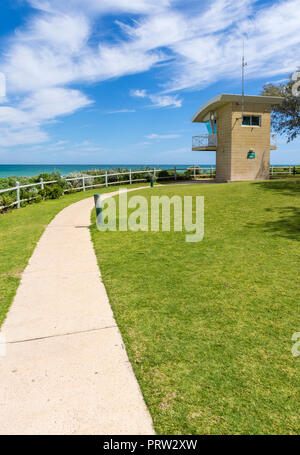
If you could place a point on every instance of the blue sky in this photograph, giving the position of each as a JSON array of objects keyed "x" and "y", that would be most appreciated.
[{"x": 117, "y": 81}]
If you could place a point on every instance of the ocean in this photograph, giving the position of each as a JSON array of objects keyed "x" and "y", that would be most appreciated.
[{"x": 29, "y": 170}]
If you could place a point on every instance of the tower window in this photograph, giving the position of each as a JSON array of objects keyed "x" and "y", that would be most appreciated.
[{"x": 251, "y": 120}]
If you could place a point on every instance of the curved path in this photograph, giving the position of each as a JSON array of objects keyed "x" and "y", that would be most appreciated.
[{"x": 66, "y": 370}]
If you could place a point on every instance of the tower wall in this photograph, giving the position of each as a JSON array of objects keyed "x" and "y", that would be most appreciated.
[
  {"x": 236, "y": 140},
  {"x": 224, "y": 133},
  {"x": 246, "y": 138}
]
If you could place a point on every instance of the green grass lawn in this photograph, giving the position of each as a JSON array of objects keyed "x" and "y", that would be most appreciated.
[
  {"x": 208, "y": 325},
  {"x": 20, "y": 230}
]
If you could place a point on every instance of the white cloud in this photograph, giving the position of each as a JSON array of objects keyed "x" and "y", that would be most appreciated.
[
  {"x": 162, "y": 136},
  {"x": 139, "y": 93},
  {"x": 54, "y": 50},
  {"x": 44, "y": 53},
  {"x": 195, "y": 43},
  {"x": 25, "y": 120},
  {"x": 10, "y": 136},
  {"x": 158, "y": 100},
  {"x": 157, "y": 30},
  {"x": 272, "y": 41},
  {"x": 46, "y": 104},
  {"x": 101, "y": 6},
  {"x": 165, "y": 101},
  {"x": 69, "y": 31},
  {"x": 51, "y": 52},
  {"x": 12, "y": 116},
  {"x": 120, "y": 111}
]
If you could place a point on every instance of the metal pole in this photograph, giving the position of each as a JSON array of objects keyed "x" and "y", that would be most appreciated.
[
  {"x": 18, "y": 195},
  {"x": 98, "y": 208},
  {"x": 152, "y": 182},
  {"x": 243, "y": 80}
]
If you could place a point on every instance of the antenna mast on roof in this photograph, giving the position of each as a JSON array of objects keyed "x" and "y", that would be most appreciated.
[{"x": 243, "y": 79}]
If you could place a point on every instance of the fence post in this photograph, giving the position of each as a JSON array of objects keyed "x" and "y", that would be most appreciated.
[
  {"x": 175, "y": 173},
  {"x": 290, "y": 170},
  {"x": 271, "y": 170},
  {"x": 18, "y": 195},
  {"x": 42, "y": 183},
  {"x": 294, "y": 170},
  {"x": 211, "y": 172},
  {"x": 83, "y": 183},
  {"x": 130, "y": 177},
  {"x": 194, "y": 172},
  {"x": 106, "y": 180}
]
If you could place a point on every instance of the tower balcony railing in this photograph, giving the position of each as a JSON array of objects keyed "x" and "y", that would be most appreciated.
[
  {"x": 273, "y": 140},
  {"x": 204, "y": 142}
]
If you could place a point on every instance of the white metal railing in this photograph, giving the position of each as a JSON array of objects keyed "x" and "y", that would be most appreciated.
[
  {"x": 284, "y": 170},
  {"x": 105, "y": 176},
  {"x": 273, "y": 140},
  {"x": 84, "y": 178},
  {"x": 195, "y": 172},
  {"x": 204, "y": 140},
  {"x": 210, "y": 140}
]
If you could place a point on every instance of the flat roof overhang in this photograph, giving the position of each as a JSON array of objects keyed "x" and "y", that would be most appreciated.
[
  {"x": 202, "y": 115},
  {"x": 203, "y": 148}
]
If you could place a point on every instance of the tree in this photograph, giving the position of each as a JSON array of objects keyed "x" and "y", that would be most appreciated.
[{"x": 285, "y": 116}]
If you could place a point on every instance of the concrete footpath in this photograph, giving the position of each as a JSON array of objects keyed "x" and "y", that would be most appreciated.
[{"x": 66, "y": 370}]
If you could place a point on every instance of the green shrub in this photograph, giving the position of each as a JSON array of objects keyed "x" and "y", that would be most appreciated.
[
  {"x": 77, "y": 182},
  {"x": 163, "y": 174},
  {"x": 99, "y": 180},
  {"x": 38, "y": 199},
  {"x": 53, "y": 191},
  {"x": 49, "y": 177},
  {"x": 43, "y": 193},
  {"x": 6, "y": 200}
]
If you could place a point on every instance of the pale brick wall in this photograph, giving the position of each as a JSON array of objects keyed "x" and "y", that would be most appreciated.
[
  {"x": 235, "y": 141},
  {"x": 223, "y": 155},
  {"x": 245, "y": 138}
]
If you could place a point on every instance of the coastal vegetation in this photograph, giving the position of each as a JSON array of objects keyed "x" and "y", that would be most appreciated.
[
  {"x": 59, "y": 185},
  {"x": 73, "y": 182}
]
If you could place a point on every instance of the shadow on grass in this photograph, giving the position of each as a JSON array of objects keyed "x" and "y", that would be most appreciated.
[
  {"x": 288, "y": 225},
  {"x": 285, "y": 187}
]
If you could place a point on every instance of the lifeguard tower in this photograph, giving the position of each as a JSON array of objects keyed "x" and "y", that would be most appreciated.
[{"x": 239, "y": 131}]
